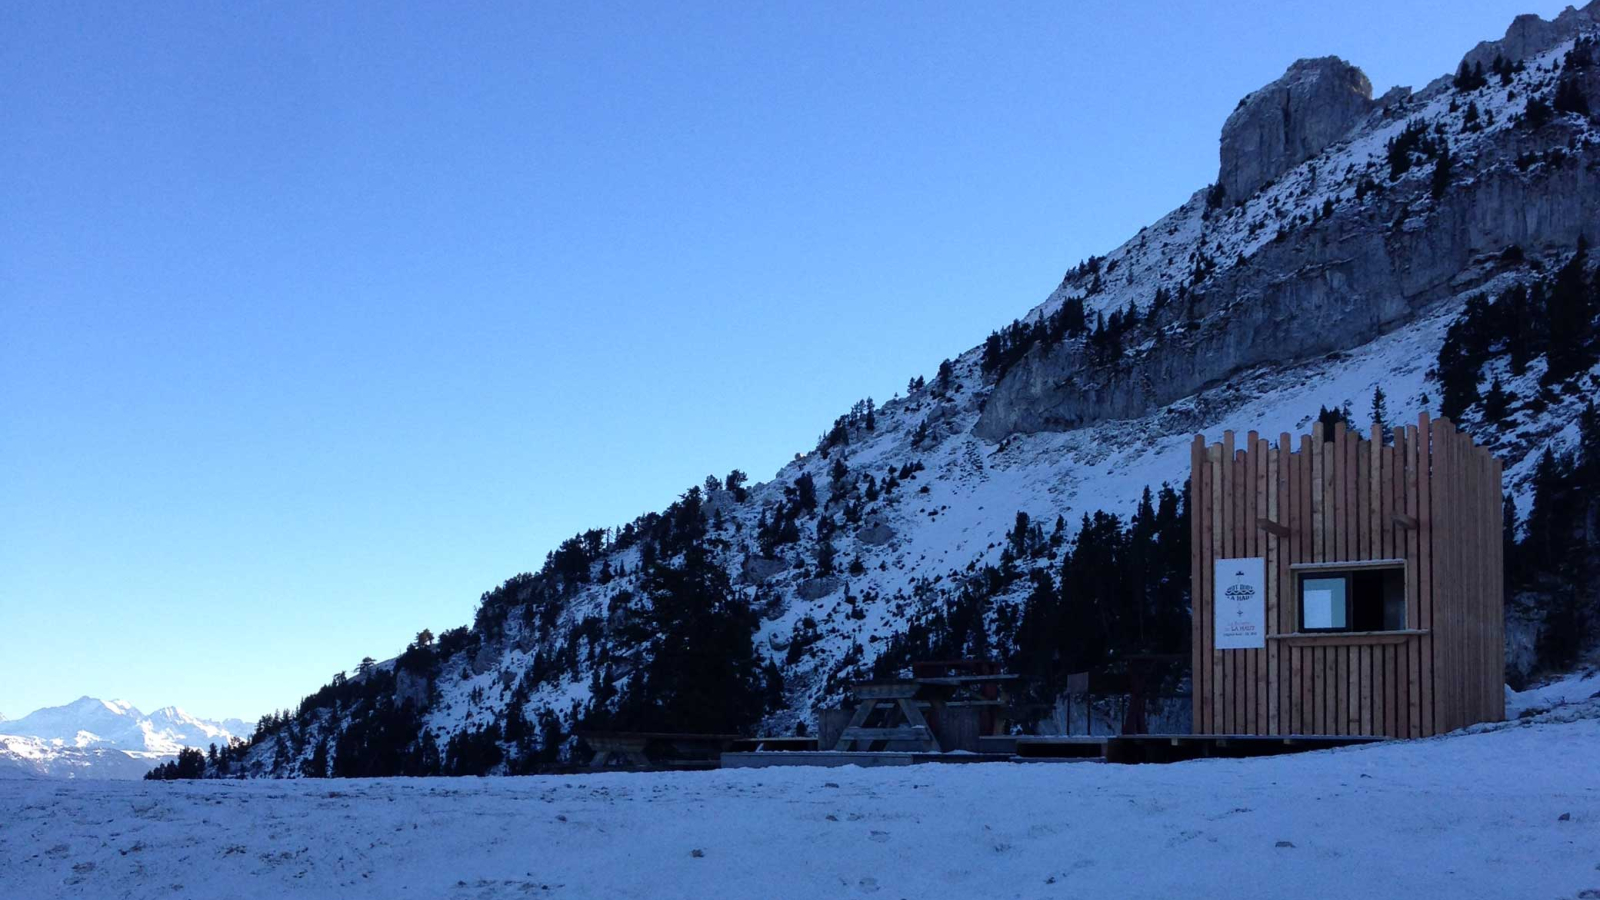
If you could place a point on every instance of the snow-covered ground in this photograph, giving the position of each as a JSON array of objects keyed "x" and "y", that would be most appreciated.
[
  {"x": 1510, "y": 811},
  {"x": 1573, "y": 689}
]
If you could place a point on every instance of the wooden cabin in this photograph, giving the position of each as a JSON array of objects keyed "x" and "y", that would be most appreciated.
[{"x": 1347, "y": 586}]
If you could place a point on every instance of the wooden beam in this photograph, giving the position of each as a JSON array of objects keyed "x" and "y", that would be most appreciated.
[
  {"x": 904, "y": 733},
  {"x": 1406, "y": 521},
  {"x": 1272, "y": 528}
]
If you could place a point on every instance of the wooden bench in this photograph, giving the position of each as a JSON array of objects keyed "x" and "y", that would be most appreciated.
[{"x": 655, "y": 749}]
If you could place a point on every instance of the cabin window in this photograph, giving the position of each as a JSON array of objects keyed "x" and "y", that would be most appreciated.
[{"x": 1368, "y": 598}]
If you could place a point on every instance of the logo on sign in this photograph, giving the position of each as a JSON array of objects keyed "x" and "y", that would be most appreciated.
[
  {"x": 1240, "y": 593},
  {"x": 1240, "y": 616}
]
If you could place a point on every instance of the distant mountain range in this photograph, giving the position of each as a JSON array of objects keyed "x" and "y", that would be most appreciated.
[{"x": 91, "y": 738}]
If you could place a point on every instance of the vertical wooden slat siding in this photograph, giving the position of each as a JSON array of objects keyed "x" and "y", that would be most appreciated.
[
  {"x": 1226, "y": 704},
  {"x": 1391, "y": 653},
  {"x": 1285, "y": 498},
  {"x": 1263, "y": 468},
  {"x": 1197, "y": 615},
  {"x": 1413, "y": 584},
  {"x": 1333, "y": 703},
  {"x": 1424, "y": 466},
  {"x": 1323, "y": 538},
  {"x": 1402, "y": 550},
  {"x": 1471, "y": 661},
  {"x": 1240, "y": 658},
  {"x": 1248, "y": 527},
  {"x": 1484, "y": 651},
  {"x": 1343, "y": 483},
  {"x": 1496, "y": 602},
  {"x": 1264, "y": 704},
  {"x": 1351, "y": 657},
  {"x": 1447, "y": 659},
  {"x": 1207, "y": 514},
  {"x": 1444, "y": 598},
  {"x": 1199, "y": 506},
  {"x": 1245, "y": 659},
  {"x": 1204, "y": 510},
  {"x": 1308, "y": 553},
  {"x": 1361, "y": 657},
  {"x": 1273, "y": 675},
  {"x": 1300, "y": 469},
  {"x": 1424, "y": 495},
  {"x": 1494, "y": 679},
  {"x": 1218, "y": 511},
  {"x": 1457, "y": 492},
  {"x": 1483, "y": 520},
  {"x": 1337, "y": 485},
  {"x": 1241, "y": 533},
  {"x": 1463, "y": 533},
  {"x": 1382, "y": 702},
  {"x": 1406, "y": 547}
]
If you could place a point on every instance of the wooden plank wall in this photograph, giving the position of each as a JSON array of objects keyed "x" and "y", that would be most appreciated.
[{"x": 1428, "y": 496}]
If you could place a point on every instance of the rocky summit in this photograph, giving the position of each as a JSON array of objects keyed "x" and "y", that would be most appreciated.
[
  {"x": 1289, "y": 121},
  {"x": 1358, "y": 259}
]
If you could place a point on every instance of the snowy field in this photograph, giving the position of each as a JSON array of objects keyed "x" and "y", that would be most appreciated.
[{"x": 1510, "y": 811}]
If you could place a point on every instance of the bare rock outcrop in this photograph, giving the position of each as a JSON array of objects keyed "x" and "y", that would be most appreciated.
[
  {"x": 1530, "y": 35},
  {"x": 1340, "y": 282},
  {"x": 758, "y": 570},
  {"x": 1274, "y": 129}
]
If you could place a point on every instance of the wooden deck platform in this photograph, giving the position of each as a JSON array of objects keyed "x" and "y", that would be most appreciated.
[
  {"x": 1132, "y": 748},
  {"x": 863, "y": 758},
  {"x": 1163, "y": 748}
]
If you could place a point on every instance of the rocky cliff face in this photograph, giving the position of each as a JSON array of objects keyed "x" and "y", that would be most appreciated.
[
  {"x": 1289, "y": 121},
  {"x": 1530, "y": 35},
  {"x": 1339, "y": 250},
  {"x": 1348, "y": 238}
]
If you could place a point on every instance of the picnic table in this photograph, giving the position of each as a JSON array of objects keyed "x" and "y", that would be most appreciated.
[
  {"x": 892, "y": 711},
  {"x": 648, "y": 749}
]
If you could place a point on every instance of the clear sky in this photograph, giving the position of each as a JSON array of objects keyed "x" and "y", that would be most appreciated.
[{"x": 318, "y": 320}]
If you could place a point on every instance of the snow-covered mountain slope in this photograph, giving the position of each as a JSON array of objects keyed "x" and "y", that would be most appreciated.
[
  {"x": 30, "y": 757},
  {"x": 1367, "y": 229},
  {"x": 104, "y": 739},
  {"x": 1511, "y": 812}
]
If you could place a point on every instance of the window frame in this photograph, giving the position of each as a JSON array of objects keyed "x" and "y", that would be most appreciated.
[{"x": 1346, "y": 569}]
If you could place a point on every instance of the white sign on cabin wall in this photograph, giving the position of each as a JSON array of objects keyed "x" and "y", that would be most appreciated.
[{"x": 1240, "y": 607}]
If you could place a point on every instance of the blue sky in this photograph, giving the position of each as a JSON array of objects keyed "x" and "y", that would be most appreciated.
[{"x": 318, "y": 320}]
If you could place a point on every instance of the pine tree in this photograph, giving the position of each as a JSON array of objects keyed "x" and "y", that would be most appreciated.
[
  {"x": 1536, "y": 113},
  {"x": 1570, "y": 312},
  {"x": 806, "y": 492},
  {"x": 735, "y": 483},
  {"x": 1469, "y": 78},
  {"x": 1570, "y": 98},
  {"x": 1549, "y": 526},
  {"x": 1495, "y": 402},
  {"x": 1515, "y": 326},
  {"x": 1330, "y": 418},
  {"x": 702, "y": 674},
  {"x": 1461, "y": 358},
  {"x": 1508, "y": 542},
  {"x": 826, "y": 555},
  {"x": 1380, "y": 408},
  {"x": 1441, "y": 174}
]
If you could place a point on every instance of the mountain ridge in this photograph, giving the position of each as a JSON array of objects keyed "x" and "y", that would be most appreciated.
[
  {"x": 89, "y": 737},
  {"x": 1344, "y": 271}
]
